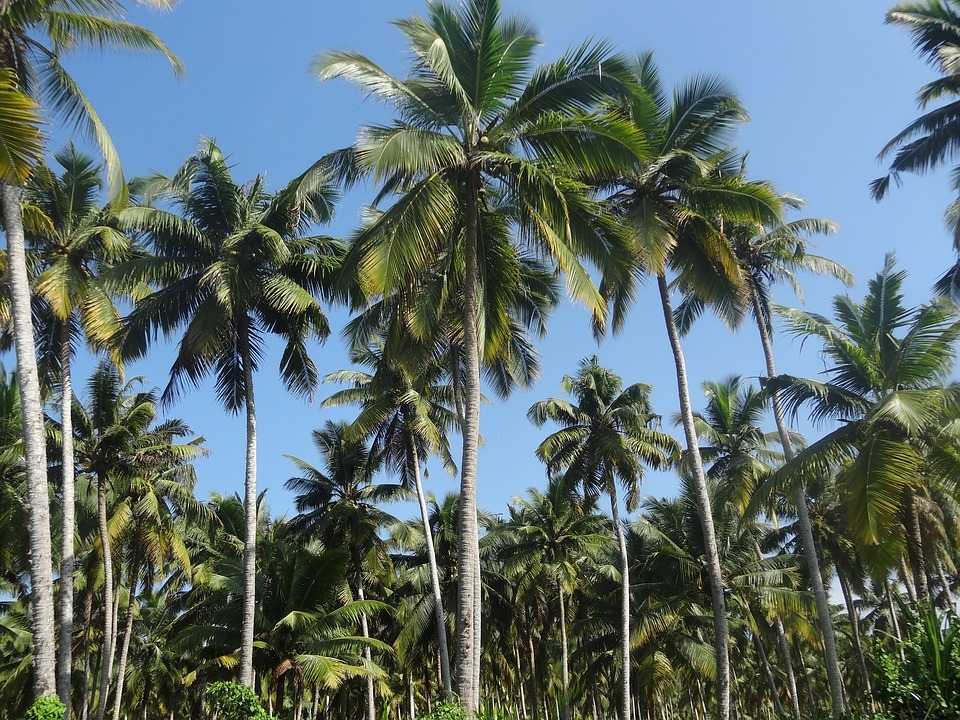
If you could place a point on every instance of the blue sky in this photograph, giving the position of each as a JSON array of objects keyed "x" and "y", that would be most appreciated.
[{"x": 826, "y": 84}]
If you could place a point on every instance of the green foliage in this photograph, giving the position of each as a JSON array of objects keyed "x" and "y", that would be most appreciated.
[
  {"x": 46, "y": 708},
  {"x": 926, "y": 683},
  {"x": 445, "y": 711},
  {"x": 233, "y": 701}
]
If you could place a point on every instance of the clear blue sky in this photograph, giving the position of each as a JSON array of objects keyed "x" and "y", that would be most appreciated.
[{"x": 826, "y": 84}]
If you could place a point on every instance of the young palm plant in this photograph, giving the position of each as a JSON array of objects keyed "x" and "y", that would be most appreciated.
[
  {"x": 232, "y": 267},
  {"x": 477, "y": 120}
]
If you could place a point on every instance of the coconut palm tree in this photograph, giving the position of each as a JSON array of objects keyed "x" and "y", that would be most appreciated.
[
  {"x": 477, "y": 123},
  {"x": 552, "y": 539},
  {"x": 674, "y": 207},
  {"x": 35, "y": 36},
  {"x": 607, "y": 437},
  {"x": 886, "y": 385},
  {"x": 232, "y": 267},
  {"x": 405, "y": 411},
  {"x": 74, "y": 241},
  {"x": 339, "y": 505}
]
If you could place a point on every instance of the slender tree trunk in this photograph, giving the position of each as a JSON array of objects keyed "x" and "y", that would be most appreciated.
[
  {"x": 824, "y": 618},
  {"x": 87, "y": 627},
  {"x": 720, "y": 626},
  {"x": 788, "y": 668},
  {"x": 67, "y": 560},
  {"x": 532, "y": 658},
  {"x": 624, "y": 600},
  {"x": 945, "y": 581},
  {"x": 469, "y": 532},
  {"x": 477, "y": 624},
  {"x": 523, "y": 699},
  {"x": 127, "y": 633},
  {"x": 411, "y": 698},
  {"x": 894, "y": 622},
  {"x": 768, "y": 673},
  {"x": 250, "y": 513},
  {"x": 43, "y": 644},
  {"x": 565, "y": 654},
  {"x": 855, "y": 631},
  {"x": 106, "y": 664},
  {"x": 915, "y": 547},
  {"x": 434, "y": 580},
  {"x": 365, "y": 628}
]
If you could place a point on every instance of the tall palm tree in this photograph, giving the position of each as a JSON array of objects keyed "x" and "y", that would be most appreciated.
[
  {"x": 339, "y": 504},
  {"x": 674, "y": 206},
  {"x": 35, "y": 36},
  {"x": 608, "y": 436},
  {"x": 74, "y": 241},
  {"x": 886, "y": 385},
  {"x": 231, "y": 268},
  {"x": 117, "y": 443},
  {"x": 476, "y": 122},
  {"x": 405, "y": 410},
  {"x": 767, "y": 255},
  {"x": 552, "y": 538}
]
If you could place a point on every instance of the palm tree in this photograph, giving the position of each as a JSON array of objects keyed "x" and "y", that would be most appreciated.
[
  {"x": 674, "y": 206},
  {"x": 606, "y": 437},
  {"x": 885, "y": 384},
  {"x": 233, "y": 267},
  {"x": 765, "y": 256},
  {"x": 339, "y": 505},
  {"x": 403, "y": 410},
  {"x": 73, "y": 240},
  {"x": 35, "y": 34},
  {"x": 478, "y": 124},
  {"x": 552, "y": 538}
]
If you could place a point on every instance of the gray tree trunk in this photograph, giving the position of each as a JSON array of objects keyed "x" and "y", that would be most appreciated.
[
  {"x": 768, "y": 673},
  {"x": 106, "y": 664},
  {"x": 68, "y": 524},
  {"x": 469, "y": 531},
  {"x": 43, "y": 645},
  {"x": 434, "y": 580},
  {"x": 371, "y": 698},
  {"x": 565, "y": 654},
  {"x": 720, "y": 625},
  {"x": 128, "y": 631},
  {"x": 88, "y": 622},
  {"x": 624, "y": 600},
  {"x": 824, "y": 618},
  {"x": 250, "y": 514},
  {"x": 788, "y": 668}
]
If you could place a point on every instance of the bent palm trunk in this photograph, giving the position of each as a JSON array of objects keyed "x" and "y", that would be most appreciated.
[
  {"x": 720, "y": 626},
  {"x": 35, "y": 452}
]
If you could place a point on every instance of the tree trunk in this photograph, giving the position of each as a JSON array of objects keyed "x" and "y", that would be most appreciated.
[
  {"x": 87, "y": 627},
  {"x": 371, "y": 699},
  {"x": 43, "y": 645},
  {"x": 67, "y": 491},
  {"x": 788, "y": 667},
  {"x": 720, "y": 626},
  {"x": 945, "y": 581},
  {"x": 806, "y": 530},
  {"x": 768, "y": 673},
  {"x": 565, "y": 654},
  {"x": 469, "y": 532},
  {"x": 250, "y": 512},
  {"x": 915, "y": 547},
  {"x": 624, "y": 600},
  {"x": 434, "y": 580},
  {"x": 894, "y": 622},
  {"x": 125, "y": 647},
  {"x": 106, "y": 664},
  {"x": 908, "y": 581},
  {"x": 855, "y": 631}
]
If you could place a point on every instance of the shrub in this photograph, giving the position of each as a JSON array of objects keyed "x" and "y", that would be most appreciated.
[
  {"x": 233, "y": 701},
  {"x": 46, "y": 708},
  {"x": 445, "y": 711}
]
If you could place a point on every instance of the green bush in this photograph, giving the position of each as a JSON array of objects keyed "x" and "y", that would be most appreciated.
[
  {"x": 46, "y": 708},
  {"x": 445, "y": 711},
  {"x": 233, "y": 701}
]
